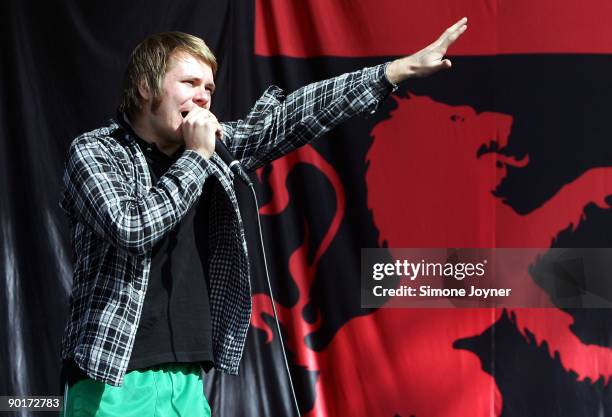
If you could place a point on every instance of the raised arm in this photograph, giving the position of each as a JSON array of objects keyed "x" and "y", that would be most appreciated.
[{"x": 276, "y": 125}]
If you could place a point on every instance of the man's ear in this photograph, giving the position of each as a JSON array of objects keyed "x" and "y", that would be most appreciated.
[{"x": 144, "y": 90}]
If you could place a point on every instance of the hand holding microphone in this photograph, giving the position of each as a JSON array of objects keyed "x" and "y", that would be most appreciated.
[
  {"x": 199, "y": 128},
  {"x": 202, "y": 133}
]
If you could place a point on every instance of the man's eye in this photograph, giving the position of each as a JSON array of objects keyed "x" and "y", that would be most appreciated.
[{"x": 190, "y": 82}]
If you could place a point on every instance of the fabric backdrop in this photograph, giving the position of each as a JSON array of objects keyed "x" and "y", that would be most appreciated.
[{"x": 511, "y": 148}]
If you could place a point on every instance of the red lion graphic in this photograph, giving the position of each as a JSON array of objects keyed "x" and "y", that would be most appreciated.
[{"x": 433, "y": 169}]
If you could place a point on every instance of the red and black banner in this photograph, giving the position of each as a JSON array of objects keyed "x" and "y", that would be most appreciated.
[{"x": 508, "y": 149}]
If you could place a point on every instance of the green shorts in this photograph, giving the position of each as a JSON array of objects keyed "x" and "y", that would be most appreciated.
[{"x": 173, "y": 389}]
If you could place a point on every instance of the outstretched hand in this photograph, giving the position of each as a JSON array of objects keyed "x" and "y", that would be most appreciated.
[{"x": 429, "y": 59}]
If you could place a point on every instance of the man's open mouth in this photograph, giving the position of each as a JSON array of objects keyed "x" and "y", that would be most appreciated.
[{"x": 184, "y": 114}]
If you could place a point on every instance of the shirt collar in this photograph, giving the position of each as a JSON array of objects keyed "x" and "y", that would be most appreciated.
[{"x": 149, "y": 149}]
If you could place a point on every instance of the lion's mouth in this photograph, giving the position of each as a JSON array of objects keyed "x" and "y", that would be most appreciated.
[
  {"x": 492, "y": 146},
  {"x": 501, "y": 154}
]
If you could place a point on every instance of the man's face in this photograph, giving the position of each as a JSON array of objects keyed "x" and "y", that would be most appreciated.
[{"x": 188, "y": 83}]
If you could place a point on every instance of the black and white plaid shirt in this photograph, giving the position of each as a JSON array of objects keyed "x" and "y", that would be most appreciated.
[{"x": 117, "y": 215}]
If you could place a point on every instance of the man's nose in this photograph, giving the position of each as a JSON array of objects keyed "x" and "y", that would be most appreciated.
[{"x": 201, "y": 97}]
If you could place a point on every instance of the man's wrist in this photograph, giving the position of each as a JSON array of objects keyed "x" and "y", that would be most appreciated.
[
  {"x": 202, "y": 152},
  {"x": 399, "y": 70}
]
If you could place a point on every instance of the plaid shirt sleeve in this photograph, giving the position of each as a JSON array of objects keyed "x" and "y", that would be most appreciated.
[
  {"x": 100, "y": 192},
  {"x": 277, "y": 125}
]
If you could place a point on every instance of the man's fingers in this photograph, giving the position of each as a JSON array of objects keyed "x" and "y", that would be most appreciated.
[
  {"x": 446, "y": 63},
  {"x": 448, "y": 38},
  {"x": 461, "y": 22},
  {"x": 199, "y": 112},
  {"x": 451, "y": 34},
  {"x": 442, "y": 65},
  {"x": 192, "y": 113}
]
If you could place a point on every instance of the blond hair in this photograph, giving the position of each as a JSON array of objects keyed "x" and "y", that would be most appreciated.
[{"x": 149, "y": 64}]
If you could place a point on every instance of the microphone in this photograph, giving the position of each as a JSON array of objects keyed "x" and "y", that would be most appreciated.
[{"x": 232, "y": 163}]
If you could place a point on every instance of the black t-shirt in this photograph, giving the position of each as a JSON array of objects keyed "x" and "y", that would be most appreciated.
[{"x": 175, "y": 325}]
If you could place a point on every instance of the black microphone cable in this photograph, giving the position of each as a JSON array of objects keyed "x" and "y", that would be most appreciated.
[{"x": 237, "y": 169}]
